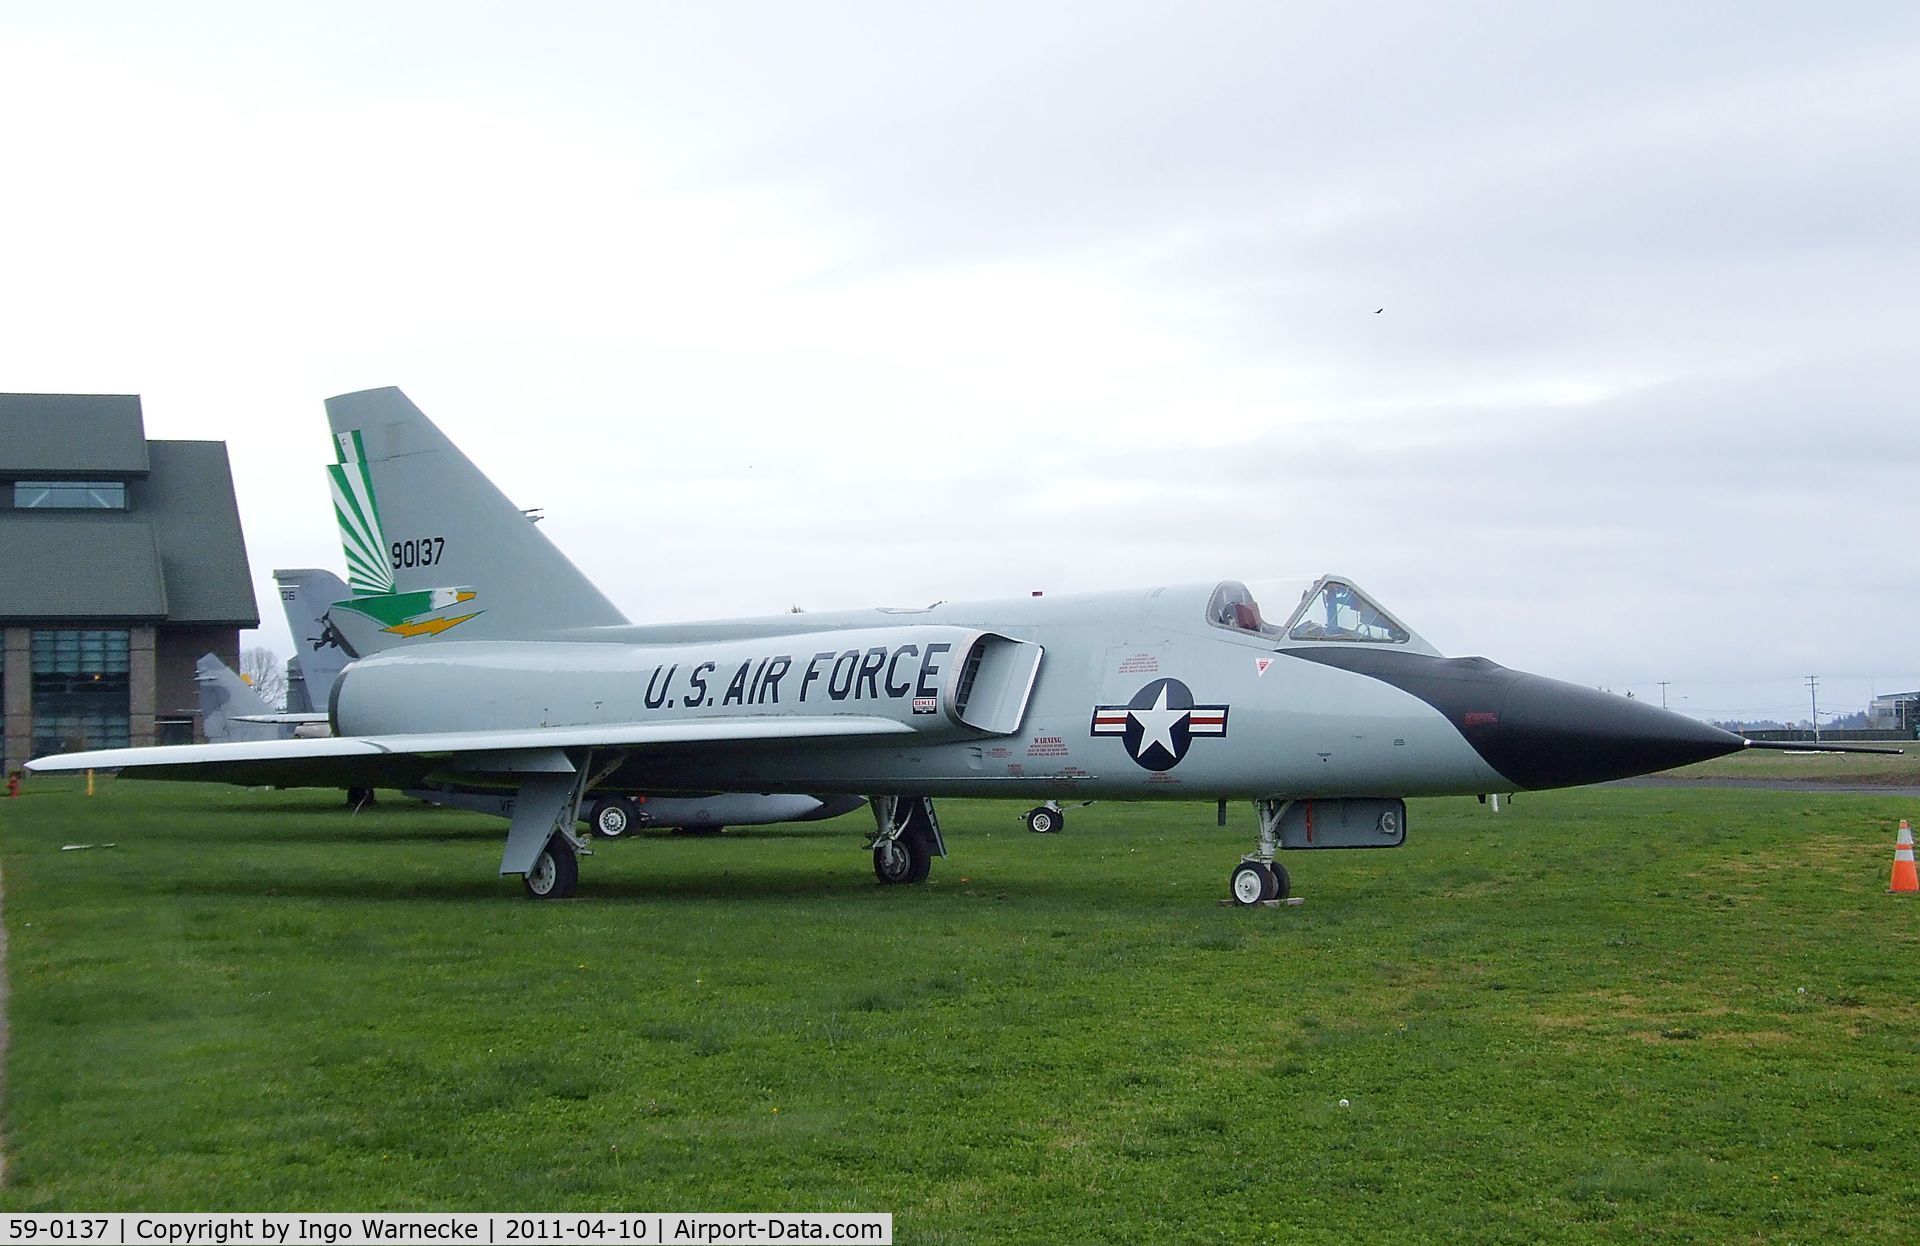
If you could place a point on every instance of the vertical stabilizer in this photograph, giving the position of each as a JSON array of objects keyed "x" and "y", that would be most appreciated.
[
  {"x": 305, "y": 595},
  {"x": 432, "y": 547},
  {"x": 224, "y": 697}
]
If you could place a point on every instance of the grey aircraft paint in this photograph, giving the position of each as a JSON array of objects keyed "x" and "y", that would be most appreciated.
[
  {"x": 306, "y": 593},
  {"x": 487, "y": 660},
  {"x": 230, "y": 708}
]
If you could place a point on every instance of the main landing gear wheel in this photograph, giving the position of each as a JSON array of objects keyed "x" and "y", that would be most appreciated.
[
  {"x": 1252, "y": 882},
  {"x": 1282, "y": 885},
  {"x": 555, "y": 872},
  {"x": 1046, "y": 820},
  {"x": 906, "y": 858},
  {"x": 359, "y": 796},
  {"x": 612, "y": 818}
]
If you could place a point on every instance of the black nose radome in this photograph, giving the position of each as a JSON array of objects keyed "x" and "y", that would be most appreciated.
[
  {"x": 1553, "y": 734},
  {"x": 1539, "y": 732}
]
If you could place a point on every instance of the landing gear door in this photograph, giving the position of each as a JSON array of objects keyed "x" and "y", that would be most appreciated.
[{"x": 1349, "y": 823}]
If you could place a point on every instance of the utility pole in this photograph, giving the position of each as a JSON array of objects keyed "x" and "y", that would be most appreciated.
[
  {"x": 1813, "y": 693},
  {"x": 1663, "y": 692}
]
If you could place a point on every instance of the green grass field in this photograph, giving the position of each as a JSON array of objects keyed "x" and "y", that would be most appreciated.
[
  {"x": 1876, "y": 769},
  {"x": 1604, "y": 1015}
]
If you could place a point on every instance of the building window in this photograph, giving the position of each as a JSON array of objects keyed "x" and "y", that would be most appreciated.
[
  {"x": 80, "y": 690},
  {"x": 96, "y": 495}
]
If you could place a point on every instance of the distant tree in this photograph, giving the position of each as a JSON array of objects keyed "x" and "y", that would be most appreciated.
[{"x": 260, "y": 666}]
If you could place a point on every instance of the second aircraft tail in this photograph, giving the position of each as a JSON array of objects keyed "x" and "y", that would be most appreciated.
[
  {"x": 228, "y": 702},
  {"x": 306, "y": 595}
]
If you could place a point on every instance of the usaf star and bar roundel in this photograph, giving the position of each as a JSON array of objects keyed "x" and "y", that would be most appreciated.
[{"x": 1160, "y": 723}]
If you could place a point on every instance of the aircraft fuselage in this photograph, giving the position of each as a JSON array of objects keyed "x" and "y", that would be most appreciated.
[{"x": 1110, "y": 696}]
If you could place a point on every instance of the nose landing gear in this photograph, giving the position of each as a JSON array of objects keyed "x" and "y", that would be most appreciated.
[
  {"x": 1255, "y": 881},
  {"x": 1259, "y": 879}
]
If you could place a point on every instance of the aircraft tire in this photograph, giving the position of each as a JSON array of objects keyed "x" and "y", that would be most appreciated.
[
  {"x": 1282, "y": 884},
  {"x": 906, "y": 858},
  {"x": 1250, "y": 883},
  {"x": 359, "y": 796},
  {"x": 1045, "y": 821},
  {"x": 555, "y": 872},
  {"x": 612, "y": 818}
]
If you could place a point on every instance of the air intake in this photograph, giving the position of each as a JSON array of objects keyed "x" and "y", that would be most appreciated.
[{"x": 995, "y": 681}]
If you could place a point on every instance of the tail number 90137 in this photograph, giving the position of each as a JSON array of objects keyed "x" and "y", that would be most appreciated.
[{"x": 424, "y": 552}]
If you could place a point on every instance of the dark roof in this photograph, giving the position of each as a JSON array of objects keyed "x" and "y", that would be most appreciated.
[
  {"x": 74, "y": 566},
  {"x": 175, "y": 555},
  {"x": 189, "y": 499},
  {"x": 73, "y": 436}
]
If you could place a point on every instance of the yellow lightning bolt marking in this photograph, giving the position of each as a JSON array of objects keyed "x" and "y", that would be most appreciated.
[{"x": 432, "y": 627}]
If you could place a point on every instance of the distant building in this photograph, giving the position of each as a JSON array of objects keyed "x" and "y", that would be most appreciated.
[
  {"x": 1897, "y": 711},
  {"x": 121, "y": 562}
]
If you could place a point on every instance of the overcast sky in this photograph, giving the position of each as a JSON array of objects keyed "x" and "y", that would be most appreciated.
[{"x": 1584, "y": 336}]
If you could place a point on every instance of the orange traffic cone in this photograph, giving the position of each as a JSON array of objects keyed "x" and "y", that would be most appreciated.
[{"x": 1903, "y": 875}]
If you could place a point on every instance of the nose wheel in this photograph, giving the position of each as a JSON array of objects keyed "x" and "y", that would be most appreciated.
[
  {"x": 1255, "y": 881},
  {"x": 1259, "y": 879}
]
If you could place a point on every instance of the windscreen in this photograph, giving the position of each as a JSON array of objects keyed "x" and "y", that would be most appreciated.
[
  {"x": 1336, "y": 610},
  {"x": 1329, "y": 608}
]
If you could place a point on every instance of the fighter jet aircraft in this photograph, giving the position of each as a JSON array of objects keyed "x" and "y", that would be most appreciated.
[{"x": 485, "y": 659}]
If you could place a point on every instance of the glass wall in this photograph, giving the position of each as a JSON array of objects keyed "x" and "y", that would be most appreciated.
[{"x": 80, "y": 690}]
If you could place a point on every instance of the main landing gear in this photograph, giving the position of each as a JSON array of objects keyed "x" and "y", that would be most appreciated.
[
  {"x": 542, "y": 845},
  {"x": 906, "y": 838},
  {"x": 555, "y": 872},
  {"x": 1259, "y": 877}
]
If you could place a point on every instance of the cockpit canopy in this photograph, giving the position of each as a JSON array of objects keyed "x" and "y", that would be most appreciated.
[{"x": 1331, "y": 609}]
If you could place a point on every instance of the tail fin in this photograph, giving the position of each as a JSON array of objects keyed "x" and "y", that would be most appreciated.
[
  {"x": 224, "y": 697},
  {"x": 305, "y": 595},
  {"x": 431, "y": 544}
]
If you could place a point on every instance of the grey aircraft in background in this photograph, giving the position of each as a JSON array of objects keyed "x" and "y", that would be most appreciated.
[
  {"x": 233, "y": 709},
  {"x": 305, "y": 595},
  {"x": 485, "y": 660}
]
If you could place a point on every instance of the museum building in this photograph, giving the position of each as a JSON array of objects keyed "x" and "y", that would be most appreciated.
[{"x": 121, "y": 562}]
